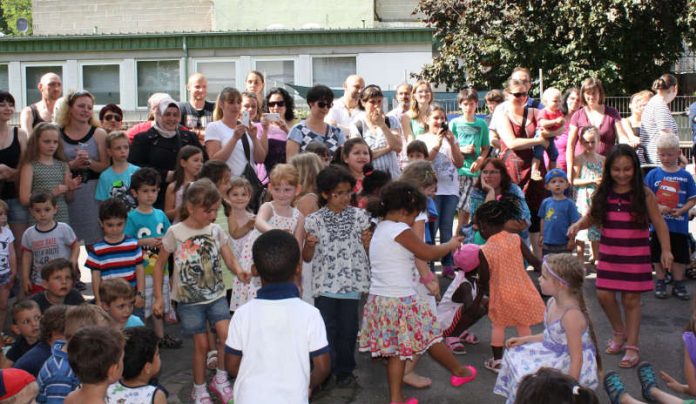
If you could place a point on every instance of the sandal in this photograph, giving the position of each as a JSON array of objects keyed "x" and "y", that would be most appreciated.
[
  {"x": 614, "y": 387},
  {"x": 455, "y": 345},
  {"x": 614, "y": 347},
  {"x": 493, "y": 364},
  {"x": 628, "y": 362},
  {"x": 648, "y": 380},
  {"x": 168, "y": 342},
  {"x": 469, "y": 338},
  {"x": 211, "y": 362}
]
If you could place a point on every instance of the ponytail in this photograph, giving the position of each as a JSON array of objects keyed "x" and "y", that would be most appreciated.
[{"x": 664, "y": 82}]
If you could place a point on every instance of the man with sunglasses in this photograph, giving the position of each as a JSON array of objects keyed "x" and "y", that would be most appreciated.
[
  {"x": 197, "y": 112},
  {"x": 111, "y": 118},
  {"x": 345, "y": 109},
  {"x": 51, "y": 88}
]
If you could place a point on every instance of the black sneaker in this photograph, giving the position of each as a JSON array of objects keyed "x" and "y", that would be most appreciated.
[
  {"x": 660, "y": 289},
  {"x": 345, "y": 381},
  {"x": 679, "y": 290},
  {"x": 169, "y": 342},
  {"x": 668, "y": 277}
]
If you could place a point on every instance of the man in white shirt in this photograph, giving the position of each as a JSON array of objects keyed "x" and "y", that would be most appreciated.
[
  {"x": 345, "y": 108},
  {"x": 272, "y": 338},
  {"x": 403, "y": 100}
]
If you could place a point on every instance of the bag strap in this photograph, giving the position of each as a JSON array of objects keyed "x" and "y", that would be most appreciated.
[
  {"x": 247, "y": 149},
  {"x": 523, "y": 127}
]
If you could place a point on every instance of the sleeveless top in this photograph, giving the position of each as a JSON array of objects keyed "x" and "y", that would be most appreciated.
[
  {"x": 10, "y": 157},
  {"x": 44, "y": 178},
  {"x": 70, "y": 148},
  {"x": 417, "y": 128},
  {"x": 36, "y": 117}
]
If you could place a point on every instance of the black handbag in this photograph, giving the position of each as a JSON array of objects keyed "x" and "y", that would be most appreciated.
[{"x": 258, "y": 191}]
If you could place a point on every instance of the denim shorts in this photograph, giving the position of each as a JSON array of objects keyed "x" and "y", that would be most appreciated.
[
  {"x": 193, "y": 317},
  {"x": 18, "y": 213}
]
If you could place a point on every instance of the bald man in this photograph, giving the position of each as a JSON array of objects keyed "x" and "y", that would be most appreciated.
[
  {"x": 197, "y": 112},
  {"x": 51, "y": 88},
  {"x": 345, "y": 108}
]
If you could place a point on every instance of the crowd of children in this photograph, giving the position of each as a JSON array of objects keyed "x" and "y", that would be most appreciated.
[{"x": 285, "y": 283}]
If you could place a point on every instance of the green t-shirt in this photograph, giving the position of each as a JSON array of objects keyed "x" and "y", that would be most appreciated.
[{"x": 468, "y": 133}]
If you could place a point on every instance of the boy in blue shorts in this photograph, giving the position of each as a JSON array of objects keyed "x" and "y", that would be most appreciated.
[
  {"x": 557, "y": 214},
  {"x": 675, "y": 191},
  {"x": 148, "y": 225}
]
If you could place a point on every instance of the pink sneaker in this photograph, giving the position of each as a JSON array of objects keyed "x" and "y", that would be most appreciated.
[
  {"x": 457, "y": 381},
  {"x": 202, "y": 398},
  {"x": 411, "y": 400},
  {"x": 223, "y": 391}
]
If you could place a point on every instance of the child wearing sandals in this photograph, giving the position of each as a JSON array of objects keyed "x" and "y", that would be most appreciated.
[
  {"x": 463, "y": 304},
  {"x": 624, "y": 207},
  {"x": 397, "y": 324},
  {"x": 616, "y": 389},
  {"x": 514, "y": 301},
  {"x": 567, "y": 343}
]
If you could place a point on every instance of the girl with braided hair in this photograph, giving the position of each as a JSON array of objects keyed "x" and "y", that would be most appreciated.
[
  {"x": 514, "y": 301},
  {"x": 568, "y": 342}
]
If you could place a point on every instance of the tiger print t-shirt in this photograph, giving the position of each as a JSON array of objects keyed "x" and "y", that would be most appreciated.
[{"x": 198, "y": 266}]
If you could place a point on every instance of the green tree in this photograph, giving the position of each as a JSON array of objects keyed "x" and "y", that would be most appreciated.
[
  {"x": 11, "y": 11},
  {"x": 626, "y": 43}
]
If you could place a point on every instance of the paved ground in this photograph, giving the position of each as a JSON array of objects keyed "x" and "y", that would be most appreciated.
[{"x": 663, "y": 322}]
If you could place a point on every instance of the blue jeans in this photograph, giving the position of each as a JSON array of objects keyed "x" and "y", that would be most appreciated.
[
  {"x": 341, "y": 320},
  {"x": 552, "y": 151},
  {"x": 446, "y": 209}
]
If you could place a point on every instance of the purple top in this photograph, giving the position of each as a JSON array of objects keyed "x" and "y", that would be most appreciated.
[
  {"x": 607, "y": 130},
  {"x": 690, "y": 345}
]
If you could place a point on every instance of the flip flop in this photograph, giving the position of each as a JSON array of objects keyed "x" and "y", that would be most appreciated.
[
  {"x": 627, "y": 362},
  {"x": 455, "y": 345}
]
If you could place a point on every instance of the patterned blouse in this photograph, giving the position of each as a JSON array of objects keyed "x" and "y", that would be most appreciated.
[{"x": 340, "y": 263}]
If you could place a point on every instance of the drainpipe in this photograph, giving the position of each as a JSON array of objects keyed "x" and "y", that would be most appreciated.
[{"x": 184, "y": 48}]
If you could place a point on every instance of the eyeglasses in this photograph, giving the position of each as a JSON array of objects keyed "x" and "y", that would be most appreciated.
[
  {"x": 109, "y": 118},
  {"x": 324, "y": 104},
  {"x": 490, "y": 172},
  {"x": 276, "y": 104},
  {"x": 518, "y": 95}
]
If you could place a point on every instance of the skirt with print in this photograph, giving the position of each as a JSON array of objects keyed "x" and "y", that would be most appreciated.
[{"x": 398, "y": 326}]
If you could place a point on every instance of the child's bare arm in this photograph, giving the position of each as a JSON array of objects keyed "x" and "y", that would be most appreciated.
[
  {"x": 75, "y": 254},
  {"x": 96, "y": 282},
  {"x": 529, "y": 256},
  {"x": 661, "y": 229},
  {"x": 232, "y": 363},
  {"x": 238, "y": 231},
  {"x": 299, "y": 230},
  {"x": 310, "y": 243},
  {"x": 157, "y": 279},
  {"x": 140, "y": 286},
  {"x": 574, "y": 324},
  {"x": 426, "y": 252},
  {"x": 13, "y": 263},
  {"x": 27, "y": 259},
  {"x": 322, "y": 368},
  {"x": 233, "y": 264},
  {"x": 265, "y": 213},
  {"x": 170, "y": 201}
]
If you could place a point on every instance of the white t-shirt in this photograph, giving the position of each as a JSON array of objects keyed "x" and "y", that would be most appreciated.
[
  {"x": 391, "y": 263},
  {"x": 6, "y": 240},
  {"x": 342, "y": 115},
  {"x": 422, "y": 291},
  {"x": 276, "y": 339},
  {"x": 445, "y": 170},
  {"x": 223, "y": 134}
]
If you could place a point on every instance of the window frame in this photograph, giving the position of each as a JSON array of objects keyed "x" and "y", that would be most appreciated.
[
  {"x": 182, "y": 82},
  {"x": 81, "y": 75},
  {"x": 313, "y": 57},
  {"x": 25, "y": 96}
]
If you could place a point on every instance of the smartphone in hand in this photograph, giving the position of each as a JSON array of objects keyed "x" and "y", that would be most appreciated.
[
  {"x": 272, "y": 116},
  {"x": 245, "y": 118}
]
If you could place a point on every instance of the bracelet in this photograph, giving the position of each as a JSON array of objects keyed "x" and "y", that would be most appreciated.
[{"x": 427, "y": 279}]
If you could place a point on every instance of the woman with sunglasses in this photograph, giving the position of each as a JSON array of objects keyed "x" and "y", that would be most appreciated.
[
  {"x": 111, "y": 117},
  {"x": 605, "y": 118},
  {"x": 516, "y": 126},
  {"x": 84, "y": 144},
  {"x": 280, "y": 103},
  {"x": 314, "y": 129}
]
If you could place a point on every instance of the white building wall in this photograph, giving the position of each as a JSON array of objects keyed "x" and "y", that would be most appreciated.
[{"x": 388, "y": 70}]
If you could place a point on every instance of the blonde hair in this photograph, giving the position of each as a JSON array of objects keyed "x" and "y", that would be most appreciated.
[
  {"x": 84, "y": 315},
  {"x": 228, "y": 94},
  {"x": 202, "y": 192},
  {"x": 284, "y": 172},
  {"x": 308, "y": 166},
  {"x": 113, "y": 136},
  {"x": 414, "y": 108},
  {"x": 570, "y": 269},
  {"x": 420, "y": 174},
  {"x": 548, "y": 93},
  {"x": 115, "y": 288},
  {"x": 31, "y": 152},
  {"x": 240, "y": 182},
  {"x": 62, "y": 117},
  {"x": 667, "y": 141}
]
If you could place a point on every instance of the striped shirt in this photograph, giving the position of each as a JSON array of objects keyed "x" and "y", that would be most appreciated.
[
  {"x": 656, "y": 117},
  {"x": 56, "y": 378},
  {"x": 117, "y": 260}
]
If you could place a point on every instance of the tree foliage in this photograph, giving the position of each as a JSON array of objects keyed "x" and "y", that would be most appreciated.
[
  {"x": 11, "y": 11},
  {"x": 626, "y": 43}
]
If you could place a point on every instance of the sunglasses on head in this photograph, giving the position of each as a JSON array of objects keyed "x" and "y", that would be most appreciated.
[
  {"x": 324, "y": 104},
  {"x": 276, "y": 103},
  {"x": 113, "y": 117}
]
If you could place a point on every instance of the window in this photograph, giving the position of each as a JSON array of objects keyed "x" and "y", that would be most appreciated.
[
  {"x": 103, "y": 82},
  {"x": 33, "y": 76},
  {"x": 4, "y": 78},
  {"x": 159, "y": 76},
  {"x": 276, "y": 72},
  {"x": 219, "y": 75},
  {"x": 332, "y": 71}
]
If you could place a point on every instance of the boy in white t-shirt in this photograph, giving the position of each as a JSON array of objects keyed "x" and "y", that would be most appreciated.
[{"x": 253, "y": 347}]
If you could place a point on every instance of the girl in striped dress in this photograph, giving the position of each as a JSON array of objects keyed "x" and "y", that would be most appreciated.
[{"x": 624, "y": 208}]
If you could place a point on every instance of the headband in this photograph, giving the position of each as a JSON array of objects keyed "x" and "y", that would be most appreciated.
[{"x": 552, "y": 273}]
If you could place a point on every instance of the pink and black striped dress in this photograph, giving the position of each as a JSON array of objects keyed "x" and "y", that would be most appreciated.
[{"x": 624, "y": 249}]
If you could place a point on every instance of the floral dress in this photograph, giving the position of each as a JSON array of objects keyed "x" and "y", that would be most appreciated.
[
  {"x": 591, "y": 170},
  {"x": 551, "y": 352},
  {"x": 243, "y": 292}
]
